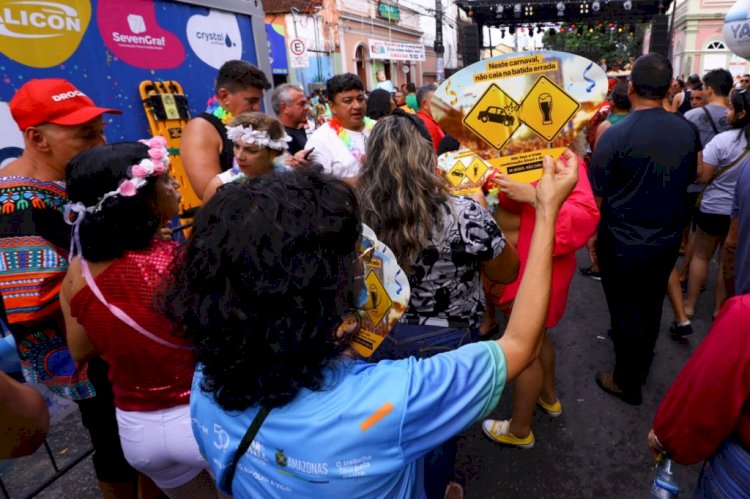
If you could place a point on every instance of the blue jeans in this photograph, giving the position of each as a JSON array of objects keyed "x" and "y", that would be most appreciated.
[{"x": 726, "y": 474}]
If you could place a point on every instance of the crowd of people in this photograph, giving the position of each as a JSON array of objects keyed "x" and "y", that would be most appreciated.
[{"x": 197, "y": 365}]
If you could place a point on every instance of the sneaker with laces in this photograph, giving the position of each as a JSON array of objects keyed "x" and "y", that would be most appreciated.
[
  {"x": 554, "y": 410},
  {"x": 498, "y": 432}
]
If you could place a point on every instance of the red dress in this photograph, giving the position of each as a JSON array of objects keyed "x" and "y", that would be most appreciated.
[
  {"x": 577, "y": 221},
  {"x": 145, "y": 375},
  {"x": 710, "y": 399}
]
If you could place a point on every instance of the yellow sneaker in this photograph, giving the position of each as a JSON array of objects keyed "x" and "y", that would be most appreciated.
[
  {"x": 553, "y": 410},
  {"x": 497, "y": 431}
]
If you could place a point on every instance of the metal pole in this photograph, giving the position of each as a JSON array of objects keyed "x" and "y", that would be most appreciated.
[
  {"x": 439, "y": 48},
  {"x": 298, "y": 72},
  {"x": 317, "y": 47}
]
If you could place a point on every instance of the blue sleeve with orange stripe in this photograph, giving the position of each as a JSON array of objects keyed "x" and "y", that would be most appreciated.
[{"x": 447, "y": 393}]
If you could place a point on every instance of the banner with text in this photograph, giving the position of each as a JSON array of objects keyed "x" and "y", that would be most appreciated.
[{"x": 396, "y": 51}]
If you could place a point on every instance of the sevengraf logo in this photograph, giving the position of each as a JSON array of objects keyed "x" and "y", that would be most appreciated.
[
  {"x": 51, "y": 30},
  {"x": 137, "y": 25},
  {"x": 131, "y": 31}
]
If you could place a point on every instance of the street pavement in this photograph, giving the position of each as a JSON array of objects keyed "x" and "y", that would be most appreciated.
[{"x": 596, "y": 448}]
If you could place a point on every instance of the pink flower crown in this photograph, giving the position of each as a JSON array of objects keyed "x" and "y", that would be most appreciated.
[{"x": 155, "y": 165}]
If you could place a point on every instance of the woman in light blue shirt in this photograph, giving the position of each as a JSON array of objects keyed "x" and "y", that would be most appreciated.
[{"x": 263, "y": 288}]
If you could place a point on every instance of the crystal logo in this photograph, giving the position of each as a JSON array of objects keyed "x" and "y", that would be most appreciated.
[
  {"x": 51, "y": 30},
  {"x": 131, "y": 31},
  {"x": 212, "y": 46},
  {"x": 215, "y": 38}
]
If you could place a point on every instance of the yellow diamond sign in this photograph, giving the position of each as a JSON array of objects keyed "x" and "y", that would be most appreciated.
[
  {"x": 546, "y": 109},
  {"x": 378, "y": 302},
  {"x": 493, "y": 117},
  {"x": 456, "y": 174},
  {"x": 476, "y": 170}
]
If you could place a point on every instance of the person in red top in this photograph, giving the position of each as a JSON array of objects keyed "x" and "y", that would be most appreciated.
[
  {"x": 424, "y": 100},
  {"x": 577, "y": 221},
  {"x": 705, "y": 415},
  {"x": 120, "y": 197}
]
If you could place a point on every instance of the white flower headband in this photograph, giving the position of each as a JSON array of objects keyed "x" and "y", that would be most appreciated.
[
  {"x": 257, "y": 137},
  {"x": 156, "y": 164}
]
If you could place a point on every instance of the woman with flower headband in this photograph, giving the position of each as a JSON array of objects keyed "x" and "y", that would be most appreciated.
[
  {"x": 206, "y": 150},
  {"x": 341, "y": 144},
  {"x": 120, "y": 196},
  {"x": 257, "y": 141}
]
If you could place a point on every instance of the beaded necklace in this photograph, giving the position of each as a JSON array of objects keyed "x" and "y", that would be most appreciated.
[
  {"x": 213, "y": 107},
  {"x": 346, "y": 137}
]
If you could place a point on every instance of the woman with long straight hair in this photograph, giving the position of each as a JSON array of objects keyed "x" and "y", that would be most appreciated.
[{"x": 441, "y": 241}]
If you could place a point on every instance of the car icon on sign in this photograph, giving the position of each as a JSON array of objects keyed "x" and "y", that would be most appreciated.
[{"x": 497, "y": 115}]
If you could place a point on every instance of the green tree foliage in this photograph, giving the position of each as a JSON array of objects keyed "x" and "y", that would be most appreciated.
[{"x": 612, "y": 45}]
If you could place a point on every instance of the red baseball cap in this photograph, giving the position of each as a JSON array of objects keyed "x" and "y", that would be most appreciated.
[{"x": 53, "y": 100}]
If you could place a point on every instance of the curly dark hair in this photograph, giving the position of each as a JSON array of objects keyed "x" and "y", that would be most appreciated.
[
  {"x": 262, "y": 284},
  {"x": 123, "y": 223},
  {"x": 342, "y": 83},
  {"x": 239, "y": 75}
]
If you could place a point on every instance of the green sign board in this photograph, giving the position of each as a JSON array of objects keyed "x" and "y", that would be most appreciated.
[{"x": 389, "y": 12}]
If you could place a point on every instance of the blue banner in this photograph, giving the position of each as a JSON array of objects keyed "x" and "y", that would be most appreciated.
[{"x": 275, "y": 33}]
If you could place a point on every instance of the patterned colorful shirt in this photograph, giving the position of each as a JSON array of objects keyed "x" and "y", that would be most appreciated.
[{"x": 33, "y": 239}]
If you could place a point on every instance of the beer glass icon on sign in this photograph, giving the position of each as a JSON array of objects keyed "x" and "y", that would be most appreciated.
[{"x": 545, "y": 106}]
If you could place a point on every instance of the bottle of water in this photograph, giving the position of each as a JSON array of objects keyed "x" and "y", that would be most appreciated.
[{"x": 664, "y": 485}]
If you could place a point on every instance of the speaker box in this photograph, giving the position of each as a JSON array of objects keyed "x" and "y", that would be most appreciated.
[
  {"x": 469, "y": 43},
  {"x": 660, "y": 34}
]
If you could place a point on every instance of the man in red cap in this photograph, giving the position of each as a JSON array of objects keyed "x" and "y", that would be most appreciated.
[{"x": 57, "y": 121}]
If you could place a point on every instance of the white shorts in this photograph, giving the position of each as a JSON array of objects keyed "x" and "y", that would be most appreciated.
[{"x": 160, "y": 444}]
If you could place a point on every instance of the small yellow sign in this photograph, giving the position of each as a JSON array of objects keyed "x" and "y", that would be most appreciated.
[
  {"x": 456, "y": 174},
  {"x": 476, "y": 170},
  {"x": 546, "y": 109},
  {"x": 525, "y": 167},
  {"x": 378, "y": 302},
  {"x": 494, "y": 117}
]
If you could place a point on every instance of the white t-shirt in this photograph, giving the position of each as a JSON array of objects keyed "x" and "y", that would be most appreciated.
[
  {"x": 333, "y": 155},
  {"x": 721, "y": 151}
]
